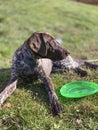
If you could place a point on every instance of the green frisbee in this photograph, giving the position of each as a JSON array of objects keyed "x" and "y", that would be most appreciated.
[{"x": 78, "y": 89}]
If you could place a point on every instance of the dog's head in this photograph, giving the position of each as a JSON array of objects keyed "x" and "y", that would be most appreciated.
[{"x": 46, "y": 46}]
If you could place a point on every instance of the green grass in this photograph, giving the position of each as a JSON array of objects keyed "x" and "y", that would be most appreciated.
[{"x": 77, "y": 25}]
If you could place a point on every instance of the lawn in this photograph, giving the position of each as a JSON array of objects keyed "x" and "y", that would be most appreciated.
[{"x": 77, "y": 25}]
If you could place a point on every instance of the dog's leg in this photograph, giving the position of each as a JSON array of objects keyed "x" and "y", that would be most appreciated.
[
  {"x": 10, "y": 88},
  {"x": 56, "y": 107},
  {"x": 90, "y": 65},
  {"x": 68, "y": 64},
  {"x": 80, "y": 71}
]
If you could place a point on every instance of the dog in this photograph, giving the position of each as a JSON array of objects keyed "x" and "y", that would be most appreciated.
[
  {"x": 40, "y": 55},
  {"x": 28, "y": 63}
]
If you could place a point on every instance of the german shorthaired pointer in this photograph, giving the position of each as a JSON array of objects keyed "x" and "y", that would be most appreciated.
[
  {"x": 30, "y": 62},
  {"x": 27, "y": 64}
]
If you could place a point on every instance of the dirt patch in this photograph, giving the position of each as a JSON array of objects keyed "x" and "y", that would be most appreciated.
[{"x": 94, "y": 2}]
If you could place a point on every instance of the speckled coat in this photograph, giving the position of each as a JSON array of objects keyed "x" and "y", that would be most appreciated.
[
  {"x": 35, "y": 59},
  {"x": 28, "y": 64}
]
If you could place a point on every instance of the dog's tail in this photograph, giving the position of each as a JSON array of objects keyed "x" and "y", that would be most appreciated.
[{"x": 10, "y": 88}]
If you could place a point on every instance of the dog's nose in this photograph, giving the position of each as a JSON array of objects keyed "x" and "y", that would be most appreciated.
[{"x": 67, "y": 52}]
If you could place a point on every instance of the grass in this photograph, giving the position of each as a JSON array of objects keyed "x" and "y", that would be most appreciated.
[{"x": 77, "y": 25}]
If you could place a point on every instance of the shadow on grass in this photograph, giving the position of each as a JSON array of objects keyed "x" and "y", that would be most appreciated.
[
  {"x": 4, "y": 77},
  {"x": 37, "y": 88}
]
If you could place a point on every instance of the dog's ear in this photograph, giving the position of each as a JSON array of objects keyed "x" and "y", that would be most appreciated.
[{"x": 38, "y": 44}]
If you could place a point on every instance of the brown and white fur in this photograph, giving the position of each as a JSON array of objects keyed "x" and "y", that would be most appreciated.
[
  {"x": 27, "y": 65},
  {"x": 30, "y": 62}
]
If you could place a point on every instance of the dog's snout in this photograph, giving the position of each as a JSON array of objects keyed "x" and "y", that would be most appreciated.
[{"x": 67, "y": 52}]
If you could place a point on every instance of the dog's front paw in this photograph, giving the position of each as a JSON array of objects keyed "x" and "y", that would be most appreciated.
[
  {"x": 81, "y": 72},
  {"x": 56, "y": 107},
  {"x": 91, "y": 66}
]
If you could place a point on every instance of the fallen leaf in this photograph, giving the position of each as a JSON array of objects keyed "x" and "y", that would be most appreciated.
[
  {"x": 78, "y": 121},
  {"x": 8, "y": 104}
]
